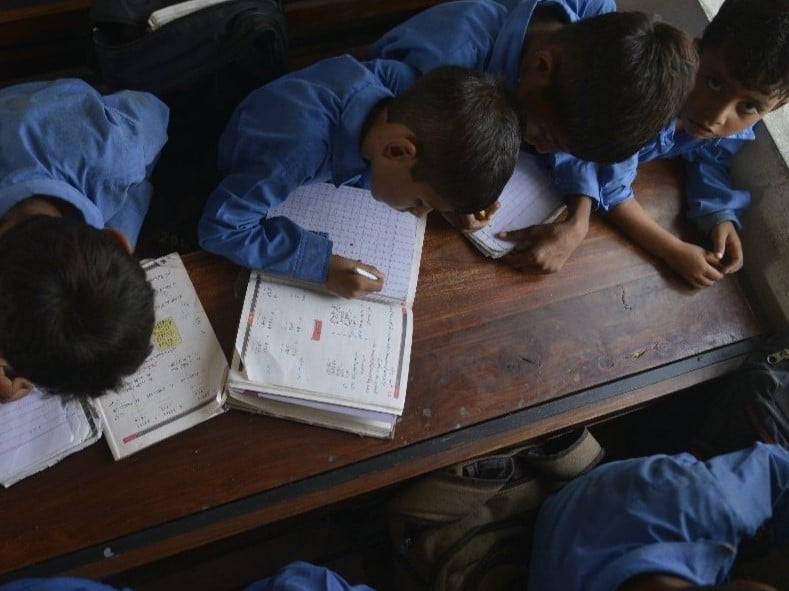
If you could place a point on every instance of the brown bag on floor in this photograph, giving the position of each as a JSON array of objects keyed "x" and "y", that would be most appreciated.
[{"x": 468, "y": 527}]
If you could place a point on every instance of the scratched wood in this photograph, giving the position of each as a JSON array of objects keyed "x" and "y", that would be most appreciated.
[{"x": 488, "y": 341}]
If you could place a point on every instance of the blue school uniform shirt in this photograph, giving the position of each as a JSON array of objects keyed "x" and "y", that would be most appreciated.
[
  {"x": 296, "y": 576},
  {"x": 64, "y": 139},
  {"x": 482, "y": 34},
  {"x": 659, "y": 514},
  {"x": 302, "y": 128},
  {"x": 710, "y": 197}
]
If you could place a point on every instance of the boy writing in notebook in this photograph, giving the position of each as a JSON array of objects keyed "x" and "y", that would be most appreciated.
[
  {"x": 447, "y": 141},
  {"x": 577, "y": 65},
  {"x": 743, "y": 75},
  {"x": 76, "y": 309}
]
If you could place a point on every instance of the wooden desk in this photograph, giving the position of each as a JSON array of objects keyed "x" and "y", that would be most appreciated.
[{"x": 498, "y": 358}]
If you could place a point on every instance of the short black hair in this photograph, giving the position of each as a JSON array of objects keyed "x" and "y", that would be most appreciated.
[
  {"x": 754, "y": 38},
  {"x": 467, "y": 132},
  {"x": 76, "y": 309},
  {"x": 623, "y": 76}
]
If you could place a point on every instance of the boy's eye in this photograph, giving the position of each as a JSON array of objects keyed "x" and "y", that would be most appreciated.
[
  {"x": 714, "y": 84},
  {"x": 750, "y": 108}
]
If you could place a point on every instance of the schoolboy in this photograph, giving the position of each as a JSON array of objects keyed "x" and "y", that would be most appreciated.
[
  {"x": 661, "y": 523},
  {"x": 76, "y": 310},
  {"x": 593, "y": 82},
  {"x": 744, "y": 74},
  {"x": 447, "y": 141}
]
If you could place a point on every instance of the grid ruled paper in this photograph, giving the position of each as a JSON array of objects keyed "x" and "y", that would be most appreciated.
[{"x": 372, "y": 232}]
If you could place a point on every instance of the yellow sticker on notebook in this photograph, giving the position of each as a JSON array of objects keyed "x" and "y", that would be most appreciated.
[{"x": 166, "y": 334}]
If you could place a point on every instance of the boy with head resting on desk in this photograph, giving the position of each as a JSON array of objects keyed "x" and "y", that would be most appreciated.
[
  {"x": 577, "y": 64},
  {"x": 743, "y": 75},
  {"x": 76, "y": 309},
  {"x": 662, "y": 523},
  {"x": 448, "y": 142}
]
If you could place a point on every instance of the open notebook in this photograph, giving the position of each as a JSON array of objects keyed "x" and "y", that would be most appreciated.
[
  {"x": 528, "y": 198},
  {"x": 39, "y": 430},
  {"x": 313, "y": 357},
  {"x": 178, "y": 386}
]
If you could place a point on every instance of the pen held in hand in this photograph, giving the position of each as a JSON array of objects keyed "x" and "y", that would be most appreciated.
[{"x": 365, "y": 273}]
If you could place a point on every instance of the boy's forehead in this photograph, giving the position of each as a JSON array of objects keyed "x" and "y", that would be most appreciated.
[{"x": 713, "y": 60}]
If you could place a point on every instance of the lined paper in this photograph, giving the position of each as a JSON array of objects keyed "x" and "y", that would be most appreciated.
[{"x": 528, "y": 198}]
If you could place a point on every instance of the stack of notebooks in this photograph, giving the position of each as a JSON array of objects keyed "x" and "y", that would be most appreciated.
[{"x": 300, "y": 353}]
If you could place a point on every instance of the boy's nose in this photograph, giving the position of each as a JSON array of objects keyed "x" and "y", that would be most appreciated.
[{"x": 716, "y": 114}]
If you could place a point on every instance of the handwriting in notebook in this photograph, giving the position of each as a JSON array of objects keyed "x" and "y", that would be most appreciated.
[
  {"x": 370, "y": 237},
  {"x": 180, "y": 379},
  {"x": 350, "y": 347}
]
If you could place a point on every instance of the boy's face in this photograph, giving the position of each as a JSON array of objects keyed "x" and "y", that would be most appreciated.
[
  {"x": 719, "y": 105},
  {"x": 542, "y": 127},
  {"x": 394, "y": 186}
]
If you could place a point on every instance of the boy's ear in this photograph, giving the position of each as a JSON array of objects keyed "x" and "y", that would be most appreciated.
[
  {"x": 120, "y": 238},
  {"x": 543, "y": 66},
  {"x": 400, "y": 149}
]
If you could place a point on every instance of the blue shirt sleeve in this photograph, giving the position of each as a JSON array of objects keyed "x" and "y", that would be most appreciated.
[
  {"x": 458, "y": 33},
  {"x": 606, "y": 184},
  {"x": 710, "y": 197},
  {"x": 275, "y": 142},
  {"x": 303, "y": 576},
  {"x": 64, "y": 139},
  {"x": 148, "y": 118}
]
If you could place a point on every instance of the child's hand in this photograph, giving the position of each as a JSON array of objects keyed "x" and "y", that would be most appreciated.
[
  {"x": 473, "y": 221},
  {"x": 698, "y": 266},
  {"x": 727, "y": 247},
  {"x": 346, "y": 277},
  {"x": 544, "y": 248}
]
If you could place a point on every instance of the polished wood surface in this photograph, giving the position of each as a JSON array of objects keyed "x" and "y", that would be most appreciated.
[{"x": 499, "y": 357}]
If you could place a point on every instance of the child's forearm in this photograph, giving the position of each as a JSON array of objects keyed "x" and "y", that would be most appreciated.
[{"x": 642, "y": 229}]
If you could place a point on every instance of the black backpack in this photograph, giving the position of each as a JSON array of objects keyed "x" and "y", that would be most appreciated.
[{"x": 201, "y": 65}]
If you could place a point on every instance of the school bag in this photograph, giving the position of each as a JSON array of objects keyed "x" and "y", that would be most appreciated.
[
  {"x": 751, "y": 404},
  {"x": 469, "y": 527},
  {"x": 202, "y": 65}
]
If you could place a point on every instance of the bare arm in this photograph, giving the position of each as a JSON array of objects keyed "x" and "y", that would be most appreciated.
[{"x": 697, "y": 266}]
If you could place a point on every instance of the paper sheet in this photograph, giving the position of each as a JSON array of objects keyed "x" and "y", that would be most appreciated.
[
  {"x": 376, "y": 234},
  {"x": 305, "y": 344},
  {"x": 527, "y": 199},
  {"x": 39, "y": 430},
  {"x": 178, "y": 386}
]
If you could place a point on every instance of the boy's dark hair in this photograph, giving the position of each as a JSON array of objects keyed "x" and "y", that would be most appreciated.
[
  {"x": 76, "y": 310},
  {"x": 467, "y": 132},
  {"x": 754, "y": 38},
  {"x": 621, "y": 78}
]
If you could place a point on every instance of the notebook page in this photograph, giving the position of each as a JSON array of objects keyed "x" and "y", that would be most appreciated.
[
  {"x": 528, "y": 198},
  {"x": 38, "y": 430},
  {"x": 314, "y": 346},
  {"x": 178, "y": 384},
  {"x": 362, "y": 228}
]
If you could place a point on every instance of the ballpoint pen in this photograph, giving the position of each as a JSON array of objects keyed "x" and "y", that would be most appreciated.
[{"x": 365, "y": 273}]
